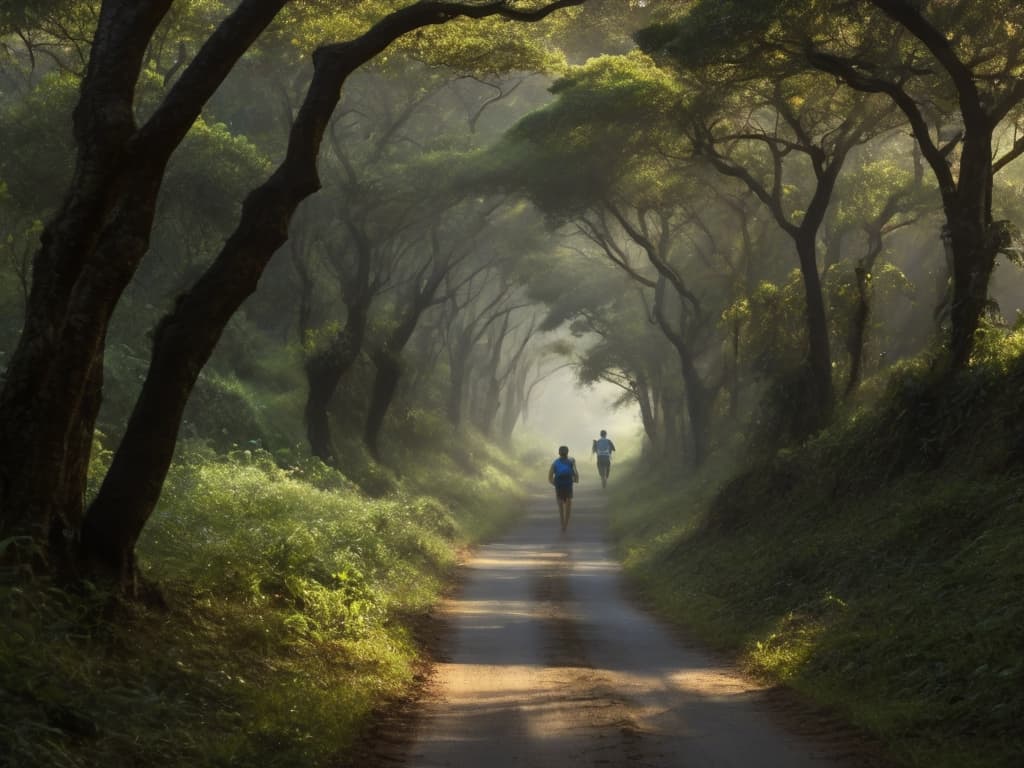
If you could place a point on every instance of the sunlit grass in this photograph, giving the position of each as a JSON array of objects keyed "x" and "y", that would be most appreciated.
[{"x": 289, "y": 600}]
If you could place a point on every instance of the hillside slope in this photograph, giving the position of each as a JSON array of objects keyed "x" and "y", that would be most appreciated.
[{"x": 878, "y": 570}]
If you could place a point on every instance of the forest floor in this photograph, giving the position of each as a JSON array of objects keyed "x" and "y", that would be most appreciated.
[{"x": 542, "y": 658}]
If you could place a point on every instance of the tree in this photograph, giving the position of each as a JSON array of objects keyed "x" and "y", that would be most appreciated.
[
  {"x": 955, "y": 76},
  {"x": 877, "y": 200},
  {"x": 329, "y": 361},
  {"x": 759, "y": 118},
  {"x": 393, "y": 169},
  {"x": 972, "y": 83},
  {"x": 629, "y": 357},
  {"x": 91, "y": 249},
  {"x": 487, "y": 298}
]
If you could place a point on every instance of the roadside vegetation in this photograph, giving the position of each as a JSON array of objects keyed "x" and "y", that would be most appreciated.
[
  {"x": 876, "y": 570},
  {"x": 281, "y": 606}
]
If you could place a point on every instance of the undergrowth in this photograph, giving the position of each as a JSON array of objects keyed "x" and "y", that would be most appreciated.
[
  {"x": 289, "y": 600},
  {"x": 878, "y": 570}
]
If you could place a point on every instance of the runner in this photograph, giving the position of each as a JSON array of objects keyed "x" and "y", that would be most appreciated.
[
  {"x": 562, "y": 475},
  {"x": 604, "y": 447}
]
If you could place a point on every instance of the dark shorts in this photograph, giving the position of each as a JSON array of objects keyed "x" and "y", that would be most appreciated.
[
  {"x": 604, "y": 461},
  {"x": 563, "y": 492}
]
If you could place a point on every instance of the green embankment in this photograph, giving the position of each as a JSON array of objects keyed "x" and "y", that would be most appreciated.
[
  {"x": 289, "y": 593},
  {"x": 878, "y": 571}
]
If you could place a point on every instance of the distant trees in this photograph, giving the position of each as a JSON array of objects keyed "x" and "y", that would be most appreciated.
[
  {"x": 92, "y": 247},
  {"x": 782, "y": 123},
  {"x": 625, "y": 353},
  {"x": 609, "y": 159},
  {"x": 408, "y": 233},
  {"x": 446, "y": 262}
]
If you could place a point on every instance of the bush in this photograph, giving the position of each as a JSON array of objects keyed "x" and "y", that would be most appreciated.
[{"x": 289, "y": 592}]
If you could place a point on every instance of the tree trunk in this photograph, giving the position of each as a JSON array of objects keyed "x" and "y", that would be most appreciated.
[
  {"x": 971, "y": 276},
  {"x": 324, "y": 372},
  {"x": 185, "y": 338},
  {"x": 694, "y": 390},
  {"x": 670, "y": 429},
  {"x": 489, "y": 405},
  {"x": 698, "y": 404},
  {"x": 819, "y": 357},
  {"x": 858, "y": 331},
  {"x": 734, "y": 369},
  {"x": 385, "y": 384},
  {"x": 387, "y": 359},
  {"x": 647, "y": 417},
  {"x": 304, "y": 315},
  {"x": 513, "y": 406},
  {"x": 51, "y": 385},
  {"x": 458, "y": 365},
  {"x": 698, "y": 408},
  {"x": 88, "y": 254},
  {"x": 975, "y": 244},
  {"x": 456, "y": 394}
]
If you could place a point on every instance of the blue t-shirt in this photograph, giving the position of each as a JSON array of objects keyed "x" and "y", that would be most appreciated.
[
  {"x": 564, "y": 470},
  {"x": 603, "y": 446}
]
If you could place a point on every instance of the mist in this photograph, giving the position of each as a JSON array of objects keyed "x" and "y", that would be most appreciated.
[{"x": 562, "y": 412}]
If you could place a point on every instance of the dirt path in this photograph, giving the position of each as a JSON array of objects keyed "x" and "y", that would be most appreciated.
[{"x": 547, "y": 664}]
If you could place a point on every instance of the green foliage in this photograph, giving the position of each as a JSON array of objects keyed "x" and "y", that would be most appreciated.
[
  {"x": 727, "y": 36},
  {"x": 773, "y": 344},
  {"x": 884, "y": 285},
  {"x": 864, "y": 192},
  {"x": 873, "y": 569},
  {"x": 771, "y": 317},
  {"x": 999, "y": 351},
  {"x": 486, "y": 47},
  {"x": 270, "y": 536},
  {"x": 18, "y": 12},
  {"x": 224, "y": 409},
  {"x": 211, "y": 172},
  {"x": 468, "y": 469},
  {"x": 287, "y": 601},
  {"x": 227, "y": 413},
  {"x": 249, "y": 395},
  {"x": 37, "y": 124},
  {"x": 482, "y": 47},
  {"x": 609, "y": 128},
  {"x": 31, "y": 16}
]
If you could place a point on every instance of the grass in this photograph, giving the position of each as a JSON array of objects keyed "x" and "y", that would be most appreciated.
[
  {"x": 289, "y": 597},
  {"x": 878, "y": 571}
]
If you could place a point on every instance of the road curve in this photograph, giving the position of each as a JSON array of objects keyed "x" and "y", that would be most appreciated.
[{"x": 546, "y": 663}]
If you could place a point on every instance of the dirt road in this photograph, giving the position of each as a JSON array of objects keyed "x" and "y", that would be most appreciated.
[{"x": 547, "y": 664}]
